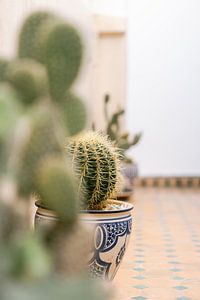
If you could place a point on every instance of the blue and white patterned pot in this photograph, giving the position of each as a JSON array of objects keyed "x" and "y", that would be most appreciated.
[{"x": 111, "y": 231}]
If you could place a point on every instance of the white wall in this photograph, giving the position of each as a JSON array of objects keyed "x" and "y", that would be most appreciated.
[{"x": 164, "y": 85}]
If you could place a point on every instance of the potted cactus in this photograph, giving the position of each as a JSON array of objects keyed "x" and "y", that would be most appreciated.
[
  {"x": 124, "y": 142},
  {"x": 96, "y": 163}
]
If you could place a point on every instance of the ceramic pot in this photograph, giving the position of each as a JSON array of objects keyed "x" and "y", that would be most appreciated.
[{"x": 111, "y": 231}]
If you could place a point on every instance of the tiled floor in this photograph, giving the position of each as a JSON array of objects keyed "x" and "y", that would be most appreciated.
[{"x": 163, "y": 258}]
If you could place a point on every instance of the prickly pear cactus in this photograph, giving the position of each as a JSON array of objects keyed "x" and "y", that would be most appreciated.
[
  {"x": 57, "y": 45},
  {"x": 96, "y": 162},
  {"x": 3, "y": 66},
  {"x": 56, "y": 182},
  {"x": 28, "y": 36},
  {"x": 10, "y": 111},
  {"x": 72, "y": 108},
  {"x": 41, "y": 142},
  {"x": 29, "y": 78}
]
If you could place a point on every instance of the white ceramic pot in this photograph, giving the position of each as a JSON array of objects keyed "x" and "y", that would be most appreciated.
[{"x": 111, "y": 231}]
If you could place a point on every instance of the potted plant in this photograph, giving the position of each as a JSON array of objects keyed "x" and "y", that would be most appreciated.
[
  {"x": 95, "y": 162},
  {"x": 124, "y": 142}
]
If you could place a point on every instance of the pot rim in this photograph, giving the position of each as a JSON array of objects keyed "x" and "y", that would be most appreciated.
[{"x": 125, "y": 207}]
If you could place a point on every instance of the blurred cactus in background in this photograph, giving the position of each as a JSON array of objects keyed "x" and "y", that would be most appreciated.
[
  {"x": 38, "y": 111},
  {"x": 97, "y": 163},
  {"x": 114, "y": 131}
]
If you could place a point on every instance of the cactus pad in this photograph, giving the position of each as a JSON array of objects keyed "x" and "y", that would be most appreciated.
[
  {"x": 3, "y": 65},
  {"x": 72, "y": 114},
  {"x": 28, "y": 36},
  {"x": 62, "y": 53},
  {"x": 57, "y": 190},
  {"x": 41, "y": 143},
  {"x": 29, "y": 78}
]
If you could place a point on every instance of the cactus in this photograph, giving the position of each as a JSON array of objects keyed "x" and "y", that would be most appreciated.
[
  {"x": 3, "y": 67},
  {"x": 28, "y": 46},
  {"x": 96, "y": 163},
  {"x": 71, "y": 109},
  {"x": 57, "y": 189},
  {"x": 57, "y": 45},
  {"x": 29, "y": 78},
  {"x": 63, "y": 54},
  {"x": 42, "y": 141},
  {"x": 10, "y": 111},
  {"x": 122, "y": 139}
]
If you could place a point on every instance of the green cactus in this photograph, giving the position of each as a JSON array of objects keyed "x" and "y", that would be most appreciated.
[
  {"x": 43, "y": 141},
  {"x": 57, "y": 45},
  {"x": 10, "y": 111},
  {"x": 96, "y": 163},
  {"x": 72, "y": 108},
  {"x": 28, "y": 37},
  {"x": 113, "y": 130},
  {"x": 3, "y": 66},
  {"x": 63, "y": 54},
  {"x": 57, "y": 189},
  {"x": 29, "y": 78}
]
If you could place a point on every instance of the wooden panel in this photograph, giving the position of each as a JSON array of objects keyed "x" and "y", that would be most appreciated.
[{"x": 109, "y": 65}]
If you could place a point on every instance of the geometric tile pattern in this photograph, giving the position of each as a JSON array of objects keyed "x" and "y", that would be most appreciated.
[
  {"x": 167, "y": 182},
  {"x": 162, "y": 261}
]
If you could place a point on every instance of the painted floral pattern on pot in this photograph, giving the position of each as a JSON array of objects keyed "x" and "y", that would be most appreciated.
[
  {"x": 111, "y": 232},
  {"x": 110, "y": 242}
]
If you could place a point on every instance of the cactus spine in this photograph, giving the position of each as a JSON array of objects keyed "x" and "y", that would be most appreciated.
[{"x": 96, "y": 163}]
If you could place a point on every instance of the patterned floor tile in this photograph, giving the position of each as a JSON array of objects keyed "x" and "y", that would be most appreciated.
[
  {"x": 163, "y": 259},
  {"x": 180, "y": 287},
  {"x": 140, "y": 287},
  {"x": 139, "y": 298},
  {"x": 139, "y": 277},
  {"x": 183, "y": 298}
]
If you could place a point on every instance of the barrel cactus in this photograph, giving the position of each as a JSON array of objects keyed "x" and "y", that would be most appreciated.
[{"x": 97, "y": 165}]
